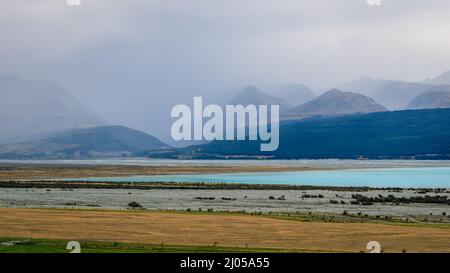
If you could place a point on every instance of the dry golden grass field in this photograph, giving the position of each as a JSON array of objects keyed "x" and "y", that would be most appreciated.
[{"x": 226, "y": 229}]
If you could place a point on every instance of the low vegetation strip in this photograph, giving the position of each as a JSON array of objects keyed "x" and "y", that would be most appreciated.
[
  {"x": 186, "y": 229},
  {"x": 167, "y": 185},
  {"x": 436, "y": 199},
  {"x": 17, "y": 172},
  {"x": 25, "y": 245}
]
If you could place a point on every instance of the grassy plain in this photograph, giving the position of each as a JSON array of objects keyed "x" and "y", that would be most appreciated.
[{"x": 200, "y": 232}]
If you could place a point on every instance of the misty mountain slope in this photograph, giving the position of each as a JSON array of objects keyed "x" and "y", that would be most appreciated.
[
  {"x": 293, "y": 94},
  {"x": 32, "y": 108},
  {"x": 103, "y": 141},
  {"x": 381, "y": 135},
  {"x": 394, "y": 95},
  {"x": 253, "y": 95},
  {"x": 443, "y": 78},
  {"x": 336, "y": 102},
  {"x": 429, "y": 100}
]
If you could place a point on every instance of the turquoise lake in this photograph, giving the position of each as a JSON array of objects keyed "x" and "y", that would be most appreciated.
[{"x": 417, "y": 177}]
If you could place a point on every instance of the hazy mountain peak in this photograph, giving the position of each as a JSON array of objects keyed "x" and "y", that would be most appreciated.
[
  {"x": 251, "y": 90},
  {"x": 337, "y": 102},
  {"x": 429, "y": 100},
  {"x": 356, "y": 99},
  {"x": 293, "y": 93},
  {"x": 253, "y": 95},
  {"x": 364, "y": 78},
  {"x": 395, "y": 95},
  {"x": 32, "y": 108},
  {"x": 333, "y": 92},
  {"x": 443, "y": 78}
]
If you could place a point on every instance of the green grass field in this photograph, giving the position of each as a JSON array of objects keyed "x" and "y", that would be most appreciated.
[{"x": 22, "y": 245}]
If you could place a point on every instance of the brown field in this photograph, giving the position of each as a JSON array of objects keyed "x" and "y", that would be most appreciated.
[
  {"x": 36, "y": 171},
  {"x": 226, "y": 230}
]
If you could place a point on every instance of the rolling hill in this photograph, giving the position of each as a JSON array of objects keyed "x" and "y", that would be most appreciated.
[
  {"x": 333, "y": 103},
  {"x": 103, "y": 141}
]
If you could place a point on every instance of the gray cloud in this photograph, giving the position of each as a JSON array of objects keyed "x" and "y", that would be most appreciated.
[{"x": 132, "y": 60}]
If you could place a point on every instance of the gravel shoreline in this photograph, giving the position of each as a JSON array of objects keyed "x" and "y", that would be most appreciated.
[{"x": 249, "y": 200}]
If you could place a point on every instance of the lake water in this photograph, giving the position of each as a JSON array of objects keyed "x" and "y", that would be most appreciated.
[{"x": 404, "y": 177}]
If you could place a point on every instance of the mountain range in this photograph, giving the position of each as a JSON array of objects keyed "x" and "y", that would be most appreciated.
[
  {"x": 420, "y": 134},
  {"x": 39, "y": 119},
  {"x": 394, "y": 95},
  {"x": 331, "y": 103}
]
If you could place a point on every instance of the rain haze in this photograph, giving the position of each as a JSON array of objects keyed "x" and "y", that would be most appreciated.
[{"x": 132, "y": 61}]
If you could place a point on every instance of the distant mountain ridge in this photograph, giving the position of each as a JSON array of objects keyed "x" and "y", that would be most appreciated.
[
  {"x": 443, "y": 78},
  {"x": 331, "y": 103},
  {"x": 394, "y": 95},
  {"x": 34, "y": 108},
  {"x": 430, "y": 100},
  {"x": 253, "y": 95},
  {"x": 103, "y": 141},
  {"x": 420, "y": 134}
]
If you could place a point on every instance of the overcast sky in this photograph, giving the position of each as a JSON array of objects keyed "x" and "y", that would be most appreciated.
[{"x": 132, "y": 60}]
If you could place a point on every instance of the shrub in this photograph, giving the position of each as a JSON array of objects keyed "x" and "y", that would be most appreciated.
[{"x": 134, "y": 205}]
